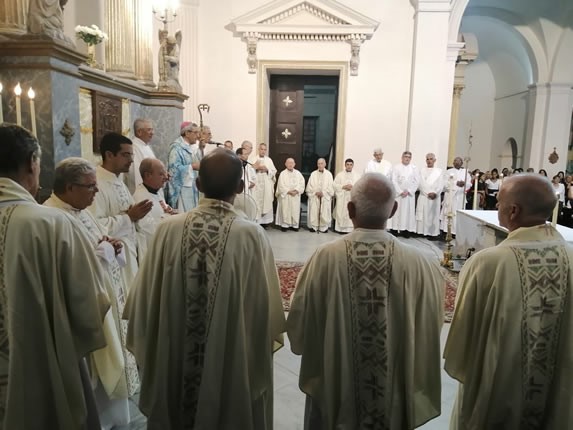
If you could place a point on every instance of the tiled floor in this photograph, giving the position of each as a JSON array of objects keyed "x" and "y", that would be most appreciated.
[{"x": 288, "y": 399}]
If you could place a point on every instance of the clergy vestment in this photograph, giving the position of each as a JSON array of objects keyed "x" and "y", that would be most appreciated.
[
  {"x": 428, "y": 210},
  {"x": 366, "y": 317},
  {"x": 383, "y": 166},
  {"x": 323, "y": 182},
  {"x": 265, "y": 190},
  {"x": 182, "y": 191},
  {"x": 343, "y": 223},
  {"x": 405, "y": 178},
  {"x": 288, "y": 207},
  {"x": 52, "y": 309},
  {"x": 147, "y": 225},
  {"x": 455, "y": 196},
  {"x": 114, "y": 365},
  {"x": 141, "y": 150},
  {"x": 205, "y": 316},
  {"x": 110, "y": 210},
  {"x": 510, "y": 344}
]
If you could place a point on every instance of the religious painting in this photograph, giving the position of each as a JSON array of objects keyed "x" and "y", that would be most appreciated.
[{"x": 106, "y": 116}]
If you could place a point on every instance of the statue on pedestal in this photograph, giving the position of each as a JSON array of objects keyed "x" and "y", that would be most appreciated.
[
  {"x": 169, "y": 61},
  {"x": 46, "y": 18}
]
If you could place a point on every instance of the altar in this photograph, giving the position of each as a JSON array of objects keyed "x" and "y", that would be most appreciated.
[{"x": 477, "y": 230}]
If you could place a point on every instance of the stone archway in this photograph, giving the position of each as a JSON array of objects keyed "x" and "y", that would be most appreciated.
[{"x": 508, "y": 157}]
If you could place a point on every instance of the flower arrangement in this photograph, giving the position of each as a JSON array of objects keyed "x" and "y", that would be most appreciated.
[{"x": 91, "y": 35}]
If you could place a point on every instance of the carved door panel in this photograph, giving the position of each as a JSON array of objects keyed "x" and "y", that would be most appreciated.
[{"x": 106, "y": 116}]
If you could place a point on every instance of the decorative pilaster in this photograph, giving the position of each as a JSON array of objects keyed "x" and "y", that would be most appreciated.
[
  {"x": 252, "y": 52},
  {"x": 120, "y": 24},
  {"x": 14, "y": 16},
  {"x": 143, "y": 42},
  {"x": 355, "y": 44}
]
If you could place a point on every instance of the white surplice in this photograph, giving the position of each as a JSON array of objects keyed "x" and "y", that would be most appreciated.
[
  {"x": 323, "y": 182},
  {"x": 404, "y": 178},
  {"x": 110, "y": 210},
  {"x": 454, "y": 197},
  {"x": 510, "y": 344},
  {"x": 366, "y": 317},
  {"x": 288, "y": 207},
  {"x": 141, "y": 150},
  {"x": 427, "y": 210},
  {"x": 147, "y": 225},
  {"x": 205, "y": 316},
  {"x": 265, "y": 190},
  {"x": 52, "y": 308},
  {"x": 343, "y": 223},
  {"x": 384, "y": 167}
]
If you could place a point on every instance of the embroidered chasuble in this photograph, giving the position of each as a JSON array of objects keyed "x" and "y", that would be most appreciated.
[
  {"x": 510, "y": 344},
  {"x": 205, "y": 317},
  {"x": 51, "y": 313},
  {"x": 366, "y": 317}
]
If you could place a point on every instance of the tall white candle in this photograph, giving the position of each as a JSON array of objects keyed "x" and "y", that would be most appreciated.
[
  {"x": 18, "y": 92},
  {"x": 451, "y": 195},
  {"x": 500, "y": 182},
  {"x": 475, "y": 202},
  {"x": 31, "y": 95},
  {"x": 555, "y": 211},
  {"x": 1, "y": 111}
]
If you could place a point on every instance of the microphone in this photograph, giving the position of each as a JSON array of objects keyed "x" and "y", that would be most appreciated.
[
  {"x": 214, "y": 143},
  {"x": 245, "y": 162}
]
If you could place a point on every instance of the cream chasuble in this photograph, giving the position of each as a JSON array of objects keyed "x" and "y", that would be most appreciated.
[
  {"x": 405, "y": 179},
  {"x": 455, "y": 196},
  {"x": 343, "y": 223},
  {"x": 110, "y": 210},
  {"x": 205, "y": 316},
  {"x": 366, "y": 317},
  {"x": 384, "y": 167},
  {"x": 510, "y": 344},
  {"x": 265, "y": 190},
  {"x": 51, "y": 312},
  {"x": 428, "y": 210},
  {"x": 288, "y": 207},
  {"x": 320, "y": 181}
]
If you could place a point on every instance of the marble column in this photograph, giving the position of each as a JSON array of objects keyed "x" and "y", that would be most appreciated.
[
  {"x": 14, "y": 16},
  {"x": 143, "y": 42},
  {"x": 120, "y": 49},
  {"x": 454, "y": 122}
]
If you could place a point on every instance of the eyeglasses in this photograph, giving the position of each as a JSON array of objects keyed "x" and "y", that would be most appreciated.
[{"x": 91, "y": 187}]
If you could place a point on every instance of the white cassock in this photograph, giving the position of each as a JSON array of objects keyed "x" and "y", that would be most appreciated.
[
  {"x": 366, "y": 317},
  {"x": 265, "y": 191},
  {"x": 510, "y": 344},
  {"x": 320, "y": 181},
  {"x": 454, "y": 198},
  {"x": 384, "y": 167},
  {"x": 249, "y": 177},
  {"x": 404, "y": 178},
  {"x": 141, "y": 150},
  {"x": 110, "y": 210},
  {"x": 205, "y": 316},
  {"x": 427, "y": 210},
  {"x": 52, "y": 310},
  {"x": 288, "y": 207},
  {"x": 343, "y": 223},
  {"x": 147, "y": 225},
  {"x": 114, "y": 365}
]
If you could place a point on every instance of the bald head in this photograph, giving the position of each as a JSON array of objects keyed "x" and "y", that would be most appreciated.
[
  {"x": 371, "y": 201},
  {"x": 220, "y": 174},
  {"x": 525, "y": 200}
]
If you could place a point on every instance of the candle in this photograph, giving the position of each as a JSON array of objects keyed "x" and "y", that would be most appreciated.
[
  {"x": 475, "y": 203},
  {"x": 451, "y": 195},
  {"x": 31, "y": 95},
  {"x": 500, "y": 182},
  {"x": 18, "y": 92},
  {"x": 555, "y": 211},
  {"x": 1, "y": 111}
]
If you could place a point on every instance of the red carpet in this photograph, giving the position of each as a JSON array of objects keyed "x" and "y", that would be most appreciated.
[{"x": 288, "y": 272}]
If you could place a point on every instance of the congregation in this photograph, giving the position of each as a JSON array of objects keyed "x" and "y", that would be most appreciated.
[{"x": 168, "y": 289}]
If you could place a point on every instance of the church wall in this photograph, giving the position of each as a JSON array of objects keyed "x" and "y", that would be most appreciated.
[
  {"x": 510, "y": 121},
  {"x": 377, "y": 99}
]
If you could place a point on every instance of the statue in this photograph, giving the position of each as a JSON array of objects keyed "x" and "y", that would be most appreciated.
[
  {"x": 46, "y": 18},
  {"x": 169, "y": 61}
]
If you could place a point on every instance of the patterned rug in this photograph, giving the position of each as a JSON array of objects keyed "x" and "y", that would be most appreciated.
[{"x": 289, "y": 270}]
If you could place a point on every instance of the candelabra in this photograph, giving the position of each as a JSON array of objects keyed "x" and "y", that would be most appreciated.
[
  {"x": 447, "y": 261},
  {"x": 165, "y": 11}
]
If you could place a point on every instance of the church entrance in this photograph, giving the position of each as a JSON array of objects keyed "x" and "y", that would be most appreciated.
[{"x": 302, "y": 120}]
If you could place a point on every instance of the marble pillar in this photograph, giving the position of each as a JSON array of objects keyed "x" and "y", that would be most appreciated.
[
  {"x": 458, "y": 88},
  {"x": 120, "y": 25},
  {"x": 14, "y": 16},
  {"x": 143, "y": 42}
]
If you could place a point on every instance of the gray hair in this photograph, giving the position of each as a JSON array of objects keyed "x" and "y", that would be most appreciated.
[
  {"x": 71, "y": 171},
  {"x": 139, "y": 123},
  {"x": 378, "y": 151},
  {"x": 373, "y": 197}
]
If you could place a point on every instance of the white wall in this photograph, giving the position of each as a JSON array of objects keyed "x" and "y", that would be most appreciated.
[{"x": 509, "y": 121}]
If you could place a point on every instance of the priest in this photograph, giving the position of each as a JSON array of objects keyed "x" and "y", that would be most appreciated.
[
  {"x": 51, "y": 306},
  {"x": 320, "y": 190},
  {"x": 265, "y": 187},
  {"x": 142, "y": 136},
  {"x": 510, "y": 345},
  {"x": 366, "y": 317},
  {"x": 429, "y": 199},
  {"x": 405, "y": 177},
  {"x": 206, "y": 315},
  {"x": 378, "y": 164},
  {"x": 457, "y": 181},
  {"x": 342, "y": 187},
  {"x": 289, "y": 189}
]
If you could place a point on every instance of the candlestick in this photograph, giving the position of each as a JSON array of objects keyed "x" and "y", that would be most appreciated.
[
  {"x": 555, "y": 211},
  {"x": 475, "y": 202},
  {"x": 1, "y": 111},
  {"x": 31, "y": 95},
  {"x": 500, "y": 182},
  {"x": 18, "y": 92},
  {"x": 451, "y": 195}
]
